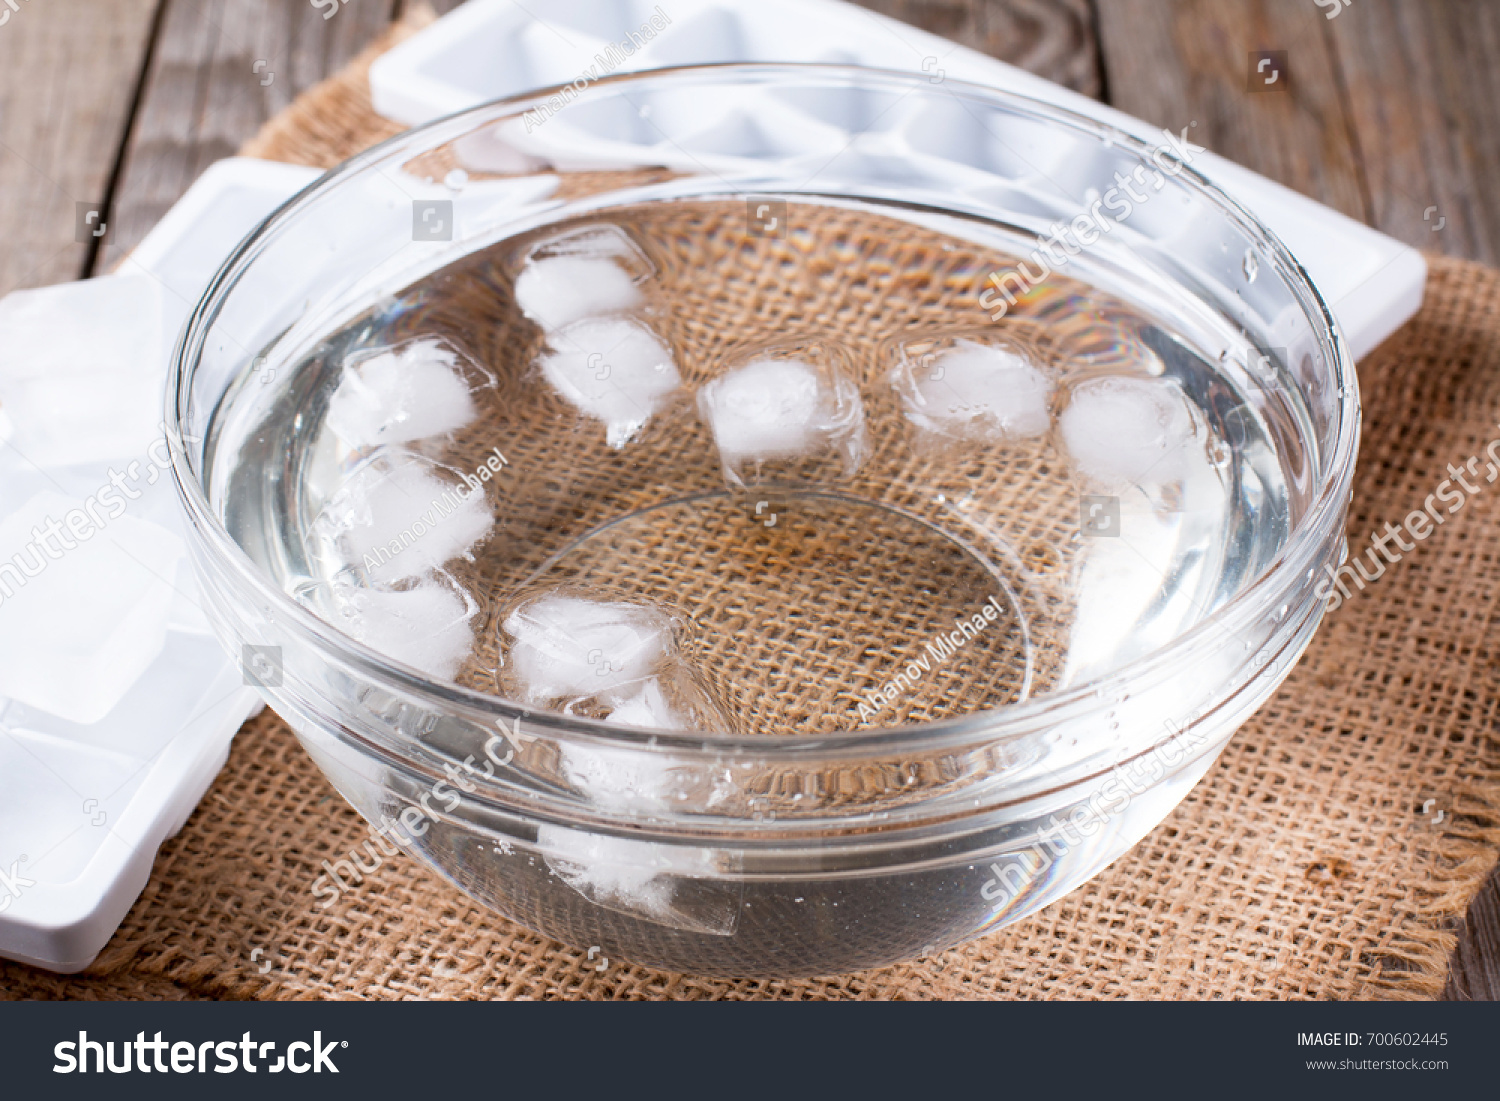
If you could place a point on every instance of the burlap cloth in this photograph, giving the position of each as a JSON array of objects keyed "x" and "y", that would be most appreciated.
[{"x": 1328, "y": 854}]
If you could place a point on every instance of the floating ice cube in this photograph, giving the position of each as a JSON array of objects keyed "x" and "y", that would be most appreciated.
[
  {"x": 559, "y": 290},
  {"x": 638, "y": 877},
  {"x": 614, "y": 660},
  {"x": 975, "y": 391},
  {"x": 648, "y": 708},
  {"x": 400, "y": 516},
  {"x": 426, "y": 625},
  {"x": 599, "y": 241},
  {"x": 85, "y": 598},
  {"x": 81, "y": 369},
  {"x": 609, "y": 871},
  {"x": 674, "y": 699},
  {"x": 618, "y": 779},
  {"x": 1125, "y": 431},
  {"x": 401, "y": 395},
  {"x": 779, "y": 409},
  {"x": 565, "y": 647},
  {"x": 615, "y": 370}
]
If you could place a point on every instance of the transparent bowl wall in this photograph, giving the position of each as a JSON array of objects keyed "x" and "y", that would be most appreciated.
[{"x": 781, "y": 856}]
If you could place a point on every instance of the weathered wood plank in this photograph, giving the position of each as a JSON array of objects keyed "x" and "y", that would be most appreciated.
[
  {"x": 220, "y": 69},
  {"x": 1476, "y": 962},
  {"x": 68, "y": 73},
  {"x": 1423, "y": 93},
  {"x": 1175, "y": 63},
  {"x": 1052, "y": 38}
]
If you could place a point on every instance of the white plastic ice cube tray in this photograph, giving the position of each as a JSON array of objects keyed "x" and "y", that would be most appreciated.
[
  {"x": 119, "y": 705},
  {"x": 488, "y": 49}
]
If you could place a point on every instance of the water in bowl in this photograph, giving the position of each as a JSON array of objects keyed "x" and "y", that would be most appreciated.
[{"x": 668, "y": 466}]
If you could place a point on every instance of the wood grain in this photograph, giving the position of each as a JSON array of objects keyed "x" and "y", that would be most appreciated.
[
  {"x": 1177, "y": 63},
  {"x": 1476, "y": 961},
  {"x": 1423, "y": 94},
  {"x": 220, "y": 69},
  {"x": 68, "y": 73},
  {"x": 1052, "y": 38}
]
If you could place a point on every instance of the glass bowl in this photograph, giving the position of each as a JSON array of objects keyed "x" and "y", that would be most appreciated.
[{"x": 833, "y": 804}]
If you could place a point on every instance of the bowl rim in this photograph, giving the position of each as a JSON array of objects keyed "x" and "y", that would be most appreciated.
[{"x": 1307, "y": 541}]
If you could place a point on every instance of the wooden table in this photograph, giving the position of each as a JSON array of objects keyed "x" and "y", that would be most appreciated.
[{"x": 1389, "y": 115}]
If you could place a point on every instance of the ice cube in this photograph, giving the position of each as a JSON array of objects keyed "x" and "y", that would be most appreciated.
[
  {"x": 85, "y": 598},
  {"x": 636, "y": 877},
  {"x": 81, "y": 369},
  {"x": 779, "y": 408},
  {"x": 618, "y": 779},
  {"x": 649, "y": 708},
  {"x": 564, "y": 647},
  {"x": 975, "y": 391},
  {"x": 615, "y": 370},
  {"x": 397, "y": 396},
  {"x": 609, "y": 871},
  {"x": 675, "y": 699},
  {"x": 400, "y": 516},
  {"x": 1125, "y": 431},
  {"x": 426, "y": 625},
  {"x": 559, "y": 290},
  {"x": 597, "y": 241}
]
